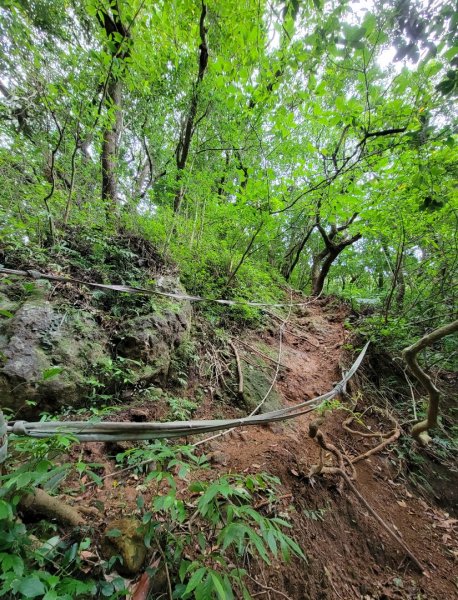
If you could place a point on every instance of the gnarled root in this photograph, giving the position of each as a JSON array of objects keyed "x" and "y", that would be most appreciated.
[
  {"x": 385, "y": 438},
  {"x": 41, "y": 503},
  {"x": 420, "y": 430},
  {"x": 318, "y": 435}
]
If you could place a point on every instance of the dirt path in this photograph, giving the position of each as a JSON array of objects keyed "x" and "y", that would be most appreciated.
[{"x": 349, "y": 554}]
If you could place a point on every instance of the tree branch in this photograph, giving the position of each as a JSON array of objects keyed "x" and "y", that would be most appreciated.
[{"x": 419, "y": 431}]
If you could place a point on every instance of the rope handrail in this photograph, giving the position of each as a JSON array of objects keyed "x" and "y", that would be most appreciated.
[
  {"x": 31, "y": 273},
  {"x": 114, "y": 431}
]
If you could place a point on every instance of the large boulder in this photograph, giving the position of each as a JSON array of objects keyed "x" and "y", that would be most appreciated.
[
  {"x": 45, "y": 355},
  {"x": 151, "y": 339},
  {"x": 50, "y": 352}
]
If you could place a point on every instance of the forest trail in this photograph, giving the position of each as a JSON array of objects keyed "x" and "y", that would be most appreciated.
[
  {"x": 349, "y": 555},
  {"x": 311, "y": 351}
]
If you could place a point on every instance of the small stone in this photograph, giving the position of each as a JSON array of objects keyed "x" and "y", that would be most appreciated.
[
  {"x": 213, "y": 446},
  {"x": 275, "y": 428},
  {"x": 119, "y": 446},
  {"x": 218, "y": 458},
  {"x": 138, "y": 415},
  {"x": 124, "y": 538}
]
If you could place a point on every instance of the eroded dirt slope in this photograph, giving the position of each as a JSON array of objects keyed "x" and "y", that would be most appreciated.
[{"x": 350, "y": 556}]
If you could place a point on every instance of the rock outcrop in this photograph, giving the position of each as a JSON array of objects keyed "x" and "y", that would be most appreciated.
[
  {"x": 152, "y": 338},
  {"x": 51, "y": 353},
  {"x": 45, "y": 354}
]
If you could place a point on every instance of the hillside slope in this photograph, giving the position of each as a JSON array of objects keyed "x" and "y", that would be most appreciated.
[{"x": 349, "y": 555}]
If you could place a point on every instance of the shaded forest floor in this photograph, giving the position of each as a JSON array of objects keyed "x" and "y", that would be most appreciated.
[{"x": 349, "y": 555}]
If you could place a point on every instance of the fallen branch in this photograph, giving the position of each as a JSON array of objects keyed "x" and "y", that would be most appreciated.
[
  {"x": 41, "y": 503},
  {"x": 379, "y": 519},
  {"x": 267, "y": 588}
]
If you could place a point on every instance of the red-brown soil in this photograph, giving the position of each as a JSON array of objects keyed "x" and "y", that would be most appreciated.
[{"x": 350, "y": 556}]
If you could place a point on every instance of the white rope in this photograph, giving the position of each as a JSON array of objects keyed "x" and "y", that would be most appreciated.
[
  {"x": 148, "y": 291},
  {"x": 114, "y": 431}
]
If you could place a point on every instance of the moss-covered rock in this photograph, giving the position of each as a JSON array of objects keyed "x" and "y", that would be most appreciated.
[
  {"x": 50, "y": 354},
  {"x": 46, "y": 355},
  {"x": 257, "y": 381},
  {"x": 152, "y": 338},
  {"x": 124, "y": 538}
]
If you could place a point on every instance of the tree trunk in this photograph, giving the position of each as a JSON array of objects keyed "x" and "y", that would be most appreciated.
[
  {"x": 188, "y": 128},
  {"x": 320, "y": 268},
  {"x": 401, "y": 289},
  {"x": 110, "y": 145},
  {"x": 118, "y": 37},
  {"x": 288, "y": 267}
]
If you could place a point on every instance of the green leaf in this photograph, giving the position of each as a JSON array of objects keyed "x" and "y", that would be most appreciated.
[
  {"x": 31, "y": 587},
  {"x": 6, "y": 313},
  {"x": 219, "y": 585},
  {"x": 51, "y": 372},
  {"x": 196, "y": 578},
  {"x": 6, "y": 511},
  {"x": 114, "y": 533},
  {"x": 10, "y": 562},
  {"x": 184, "y": 566}
]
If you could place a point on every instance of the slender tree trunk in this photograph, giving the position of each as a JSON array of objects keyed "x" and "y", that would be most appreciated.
[
  {"x": 118, "y": 36},
  {"x": 244, "y": 255},
  {"x": 401, "y": 291},
  {"x": 110, "y": 145},
  {"x": 289, "y": 267},
  {"x": 397, "y": 273},
  {"x": 188, "y": 129}
]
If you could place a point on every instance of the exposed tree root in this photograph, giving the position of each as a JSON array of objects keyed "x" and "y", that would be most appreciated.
[
  {"x": 256, "y": 351},
  {"x": 318, "y": 435},
  {"x": 239, "y": 369},
  {"x": 420, "y": 430},
  {"x": 41, "y": 503},
  {"x": 387, "y": 438}
]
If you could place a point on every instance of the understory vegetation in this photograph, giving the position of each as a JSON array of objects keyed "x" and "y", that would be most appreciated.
[{"x": 265, "y": 153}]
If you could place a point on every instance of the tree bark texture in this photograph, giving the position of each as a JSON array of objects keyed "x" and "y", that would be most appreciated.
[
  {"x": 323, "y": 261},
  {"x": 110, "y": 143}
]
